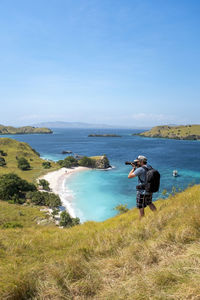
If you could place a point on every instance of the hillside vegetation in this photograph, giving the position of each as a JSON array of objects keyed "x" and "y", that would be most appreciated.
[
  {"x": 15, "y": 149},
  {"x": 120, "y": 258},
  {"x": 23, "y": 130},
  {"x": 187, "y": 132}
]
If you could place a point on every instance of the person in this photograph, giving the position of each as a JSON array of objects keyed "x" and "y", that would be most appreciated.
[{"x": 143, "y": 198}]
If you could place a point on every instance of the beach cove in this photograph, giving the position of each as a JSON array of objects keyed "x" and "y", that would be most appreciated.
[{"x": 58, "y": 185}]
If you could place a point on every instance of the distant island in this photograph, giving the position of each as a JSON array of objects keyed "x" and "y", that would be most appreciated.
[
  {"x": 24, "y": 130},
  {"x": 104, "y": 135},
  {"x": 61, "y": 124},
  {"x": 183, "y": 132}
]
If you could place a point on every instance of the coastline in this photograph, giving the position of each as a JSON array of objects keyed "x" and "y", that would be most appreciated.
[{"x": 57, "y": 182}]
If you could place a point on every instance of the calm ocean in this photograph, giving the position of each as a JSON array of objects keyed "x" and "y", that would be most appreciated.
[{"x": 97, "y": 192}]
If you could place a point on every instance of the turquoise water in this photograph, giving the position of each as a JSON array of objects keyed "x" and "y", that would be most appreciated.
[{"x": 96, "y": 192}]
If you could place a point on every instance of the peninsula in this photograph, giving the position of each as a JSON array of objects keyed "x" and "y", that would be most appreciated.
[
  {"x": 24, "y": 130},
  {"x": 183, "y": 132},
  {"x": 104, "y": 135}
]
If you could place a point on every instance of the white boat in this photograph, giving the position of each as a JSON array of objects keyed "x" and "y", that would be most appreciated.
[{"x": 175, "y": 173}]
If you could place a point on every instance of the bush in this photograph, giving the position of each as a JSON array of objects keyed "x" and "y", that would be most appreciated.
[
  {"x": 12, "y": 187},
  {"x": 46, "y": 165},
  {"x": 23, "y": 164},
  {"x": 67, "y": 221},
  {"x": 68, "y": 162},
  {"x": 87, "y": 162},
  {"x": 45, "y": 184},
  {"x": 2, "y": 162},
  {"x": 12, "y": 225},
  {"x": 121, "y": 208},
  {"x": 2, "y": 153}
]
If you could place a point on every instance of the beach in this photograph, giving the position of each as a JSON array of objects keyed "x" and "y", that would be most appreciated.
[{"x": 58, "y": 185}]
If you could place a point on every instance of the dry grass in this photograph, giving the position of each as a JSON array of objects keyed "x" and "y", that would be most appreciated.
[{"x": 121, "y": 258}]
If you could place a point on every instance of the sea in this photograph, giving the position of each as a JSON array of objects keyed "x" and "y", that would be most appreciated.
[{"x": 96, "y": 193}]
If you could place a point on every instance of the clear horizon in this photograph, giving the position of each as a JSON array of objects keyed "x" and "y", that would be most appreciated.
[{"x": 121, "y": 63}]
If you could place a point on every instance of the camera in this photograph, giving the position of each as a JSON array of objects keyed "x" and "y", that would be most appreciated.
[{"x": 131, "y": 163}]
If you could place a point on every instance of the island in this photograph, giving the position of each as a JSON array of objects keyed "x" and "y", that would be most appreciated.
[
  {"x": 24, "y": 130},
  {"x": 104, "y": 135},
  {"x": 182, "y": 132}
]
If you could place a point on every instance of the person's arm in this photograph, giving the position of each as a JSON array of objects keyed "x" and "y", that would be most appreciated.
[{"x": 131, "y": 174}]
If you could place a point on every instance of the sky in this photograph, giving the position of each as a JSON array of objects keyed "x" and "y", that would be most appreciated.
[{"x": 127, "y": 63}]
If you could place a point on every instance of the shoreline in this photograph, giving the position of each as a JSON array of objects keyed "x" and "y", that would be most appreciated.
[{"x": 57, "y": 182}]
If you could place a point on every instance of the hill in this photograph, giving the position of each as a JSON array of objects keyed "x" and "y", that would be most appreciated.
[
  {"x": 187, "y": 132},
  {"x": 15, "y": 149},
  {"x": 120, "y": 258},
  {"x": 23, "y": 130},
  {"x": 60, "y": 124}
]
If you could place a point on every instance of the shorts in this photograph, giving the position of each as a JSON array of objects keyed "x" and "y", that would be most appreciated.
[{"x": 143, "y": 200}]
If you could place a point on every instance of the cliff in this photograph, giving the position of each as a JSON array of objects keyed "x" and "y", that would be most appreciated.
[
  {"x": 23, "y": 130},
  {"x": 187, "y": 132},
  {"x": 101, "y": 162}
]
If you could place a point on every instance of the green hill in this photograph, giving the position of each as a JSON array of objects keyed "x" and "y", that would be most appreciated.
[
  {"x": 187, "y": 132},
  {"x": 121, "y": 258},
  {"x": 23, "y": 130},
  {"x": 15, "y": 149}
]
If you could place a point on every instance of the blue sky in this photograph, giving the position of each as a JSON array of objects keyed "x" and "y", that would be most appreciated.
[{"x": 118, "y": 62}]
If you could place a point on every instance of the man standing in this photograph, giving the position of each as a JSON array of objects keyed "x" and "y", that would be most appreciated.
[{"x": 144, "y": 198}]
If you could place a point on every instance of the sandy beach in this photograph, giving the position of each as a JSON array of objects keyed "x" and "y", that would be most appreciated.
[{"x": 58, "y": 184}]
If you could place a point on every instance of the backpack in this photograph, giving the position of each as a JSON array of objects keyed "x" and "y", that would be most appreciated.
[{"x": 152, "y": 183}]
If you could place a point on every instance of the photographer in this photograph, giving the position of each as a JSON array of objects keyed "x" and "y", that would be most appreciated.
[{"x": 144, "y": 198}]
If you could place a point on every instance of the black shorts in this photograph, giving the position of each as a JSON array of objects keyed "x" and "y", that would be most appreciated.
[{"x": 143, "y": 200}]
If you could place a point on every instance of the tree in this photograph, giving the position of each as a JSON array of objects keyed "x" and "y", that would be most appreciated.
[
  {"x": 67, "y": 221},
  {"x": 45, "y": 184},
  {"x": 52, "y": 200},
  {"x": 46, "y": 165},
  {"x": 68, "y": 162},
  {"x": 2, "y": 162},
  {"x": 23, "y": 164},
  {"x": 12, "y": 187},
  {"x": 36, "y": 197},
  {"x": 87, "y": 162},
  {"x": 44, "y": 198}
]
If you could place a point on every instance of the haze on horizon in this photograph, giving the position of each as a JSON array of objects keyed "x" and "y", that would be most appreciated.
[{"x": 123, "y": 63}]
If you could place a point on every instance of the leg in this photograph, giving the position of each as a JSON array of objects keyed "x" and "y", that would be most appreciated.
[
  {"x": 152, "y": 207},
  {"x": 141, "y": 212}
]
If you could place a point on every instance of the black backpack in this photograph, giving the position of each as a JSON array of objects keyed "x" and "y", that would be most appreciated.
[{"x": 152, "y": 183}]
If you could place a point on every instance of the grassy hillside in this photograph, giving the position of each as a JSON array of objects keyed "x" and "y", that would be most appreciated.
[
  {"x": 23, "y": 130},
  {"x": 121, "y": 258},
  {"x": 15, "y": 149},
  {"x": 188, "y": 132}
]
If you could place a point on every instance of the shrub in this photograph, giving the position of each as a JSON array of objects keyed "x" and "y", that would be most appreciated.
[
  {"x": 12, "y": 187},
  {"x": 87, "y": 162},
  {"x": 121, "y": 208},
  {"x": 46, "y": 165},
  {"x": 2, "y": 153},
  {"x": 45, "y": 184},
  {"x": 67, "y": 221},
  {"x": 12, "y": 225},
  {"x": 23, "y": 164},
  {"x": 2, "y": 162}
]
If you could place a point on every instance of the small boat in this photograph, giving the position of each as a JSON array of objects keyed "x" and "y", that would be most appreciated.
[{"x": 175, "y": 173}]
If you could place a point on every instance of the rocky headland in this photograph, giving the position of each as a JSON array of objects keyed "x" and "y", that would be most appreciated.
[{"x": 183, "y": 132}]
